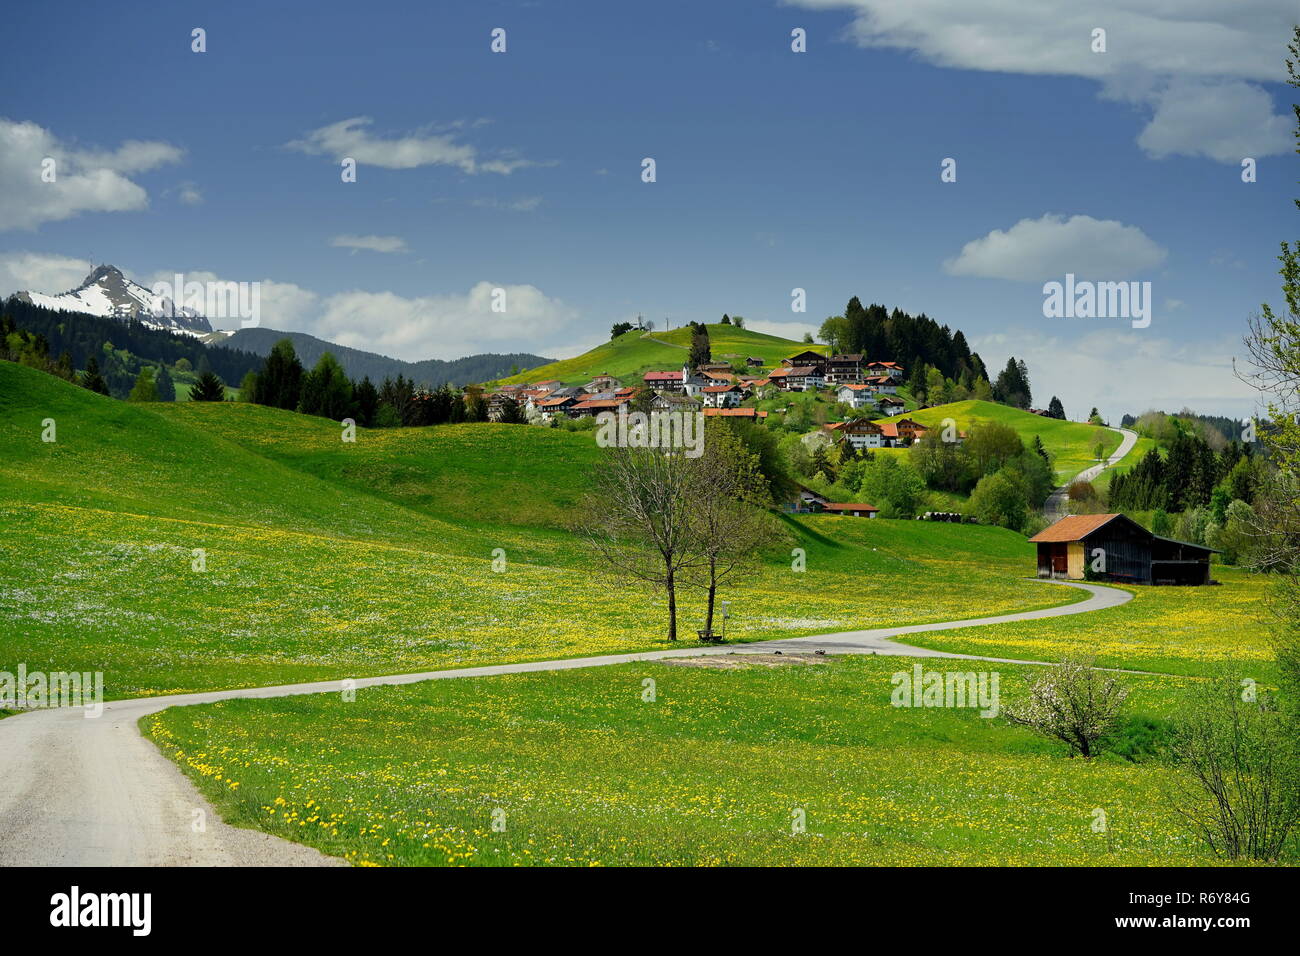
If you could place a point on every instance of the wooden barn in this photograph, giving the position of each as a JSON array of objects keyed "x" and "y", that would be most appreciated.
[{"x": 1129, "y": 553}]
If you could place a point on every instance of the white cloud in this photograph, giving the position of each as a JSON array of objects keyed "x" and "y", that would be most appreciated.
[
  {"x": 1226, "y": 122},
  {"x": 282, "y": 305},
  {"x": 190, "y": 194},
  {"x": 388, "y": 244},
  {"x": 423, "y": 147},
  {"x": 1157, "y": 53},
  {"x": 443, "y": 326},
  {"x": 1037, "y": 249},
  {"x": 85, "y": 180},
  {"x": 1123, "y": 370},
  {"x": 40, "y": 272}
]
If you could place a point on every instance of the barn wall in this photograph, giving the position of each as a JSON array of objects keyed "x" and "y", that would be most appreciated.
[
  {"x": 1076, "y": 560},
  {"x": 1128, "y": 555}
]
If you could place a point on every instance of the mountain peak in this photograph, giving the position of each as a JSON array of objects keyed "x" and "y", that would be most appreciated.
[
  {"x": 100, "y": 273},
  {"x": 108, "y": 293}
]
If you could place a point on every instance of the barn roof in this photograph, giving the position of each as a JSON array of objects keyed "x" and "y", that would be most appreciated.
[{"x": 1073, "y": 528}]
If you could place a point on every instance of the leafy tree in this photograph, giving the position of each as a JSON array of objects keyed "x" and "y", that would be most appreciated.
[
  {"x": 821, "y": 465},
  {"x": 726, "y": 319},
  {"x": 897, "y": 489},
  {"x": 367, "y": 402},
  {"x": 91, "y": 378},
  {"x": 511, "y": 413},
  {"x": 738, "y": 321},
  {"x": 620, "y": 328},
  {"x": 1000, "y": 499},
  {"x": 1073, "y": 703},
  {"x": 1012, "y": 386},
  {"x": 164, "y": 385},
  {"x": 326, "y": 390},
  {"x": 700, "y": 350},
  {"x": 1055, "y": 409},
  {"x": 144, "y": 389},
  {"x": 991, "y": 445},
  {"x": 835, "y": 333},
  {"x": 209, "y": 389},
  {"x": 1236, "y": 537},
  {"x": 943, "y": 464},
  {"x": 279, "y": 383},
  {"x": 475, "y": 405},
  {"x": 934, "y": 386}
]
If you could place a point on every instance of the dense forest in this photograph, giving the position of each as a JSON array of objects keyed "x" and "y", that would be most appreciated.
[
  {"x": 123, "y": 348},
  {"x": 910, "y": 340},
  {"x": 358, "y": 364}
]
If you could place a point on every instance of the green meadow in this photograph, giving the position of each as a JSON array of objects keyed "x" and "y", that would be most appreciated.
[
  {"x": 432, "y": 548},
  {"x": 721, "y": 767},
  {"x": 634, "y": 353},
  {"x": 1071, "y": 444},
  {"x": 201, "y": 546}
]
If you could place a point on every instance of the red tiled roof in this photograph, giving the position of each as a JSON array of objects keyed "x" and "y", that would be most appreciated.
[
  {"x": 889, "y": 429},
  {"x": 663, "y": 376},
  {"x": 735, "y": 412},
  {"x": 601, "y": 403},
  {"x": 718, "y": 389},
  {"x": 1073, "y": 528},
  {"x": 856, "y": 388},
  {"x": 551, "y": 402}
]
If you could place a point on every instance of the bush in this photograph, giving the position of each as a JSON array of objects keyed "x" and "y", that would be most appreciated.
[
  {"x": 1239, "y": 790},
  {"x": 1073, "y": 703},
  {"x": 999, "y": 499}
]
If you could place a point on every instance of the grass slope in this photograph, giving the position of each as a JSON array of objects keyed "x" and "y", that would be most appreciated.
[
  {"x": 326, "y": 559},
  {"x": 1072, "y": 444},
  {"x": 581, "y": 770},
  {"x": 634, "y": 353}
]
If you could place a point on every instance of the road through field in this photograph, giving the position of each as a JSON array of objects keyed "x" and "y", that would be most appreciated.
[
  {"x": 78, "y": 791},
  {"x": 1054, "y": 508}
]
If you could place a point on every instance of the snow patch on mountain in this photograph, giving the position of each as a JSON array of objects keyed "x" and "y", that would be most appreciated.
[{"x": 106, "y": 292}]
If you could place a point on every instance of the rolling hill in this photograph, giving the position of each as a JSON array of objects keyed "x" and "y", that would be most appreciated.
[
  {"x": 322, "y": 559},
  {"x": 1072, "y": 444},
  {"x": 634, "y": 353}
]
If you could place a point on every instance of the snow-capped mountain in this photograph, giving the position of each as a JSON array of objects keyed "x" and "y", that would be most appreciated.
[{"x": 108, "y": 293}]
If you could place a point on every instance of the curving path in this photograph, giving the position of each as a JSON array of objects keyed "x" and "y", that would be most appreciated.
[
  {"x": 1054, "y": 507},
  {"x": 93, "y": 792}
]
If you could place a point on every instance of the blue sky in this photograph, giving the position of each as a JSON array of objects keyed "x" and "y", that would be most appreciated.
[{"x": 775, "y": 170}]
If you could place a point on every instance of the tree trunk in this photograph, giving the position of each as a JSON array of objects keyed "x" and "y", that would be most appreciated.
[
  {"x": 672, "y": 607},
  {"x": 713, "y": 590}
]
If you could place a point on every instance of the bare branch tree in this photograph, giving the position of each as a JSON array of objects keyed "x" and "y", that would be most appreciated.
[
  {"x": 731, "y": 525},
  {"x": 1239, "y": 793},
  {"x": 639, "y": 518}
]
